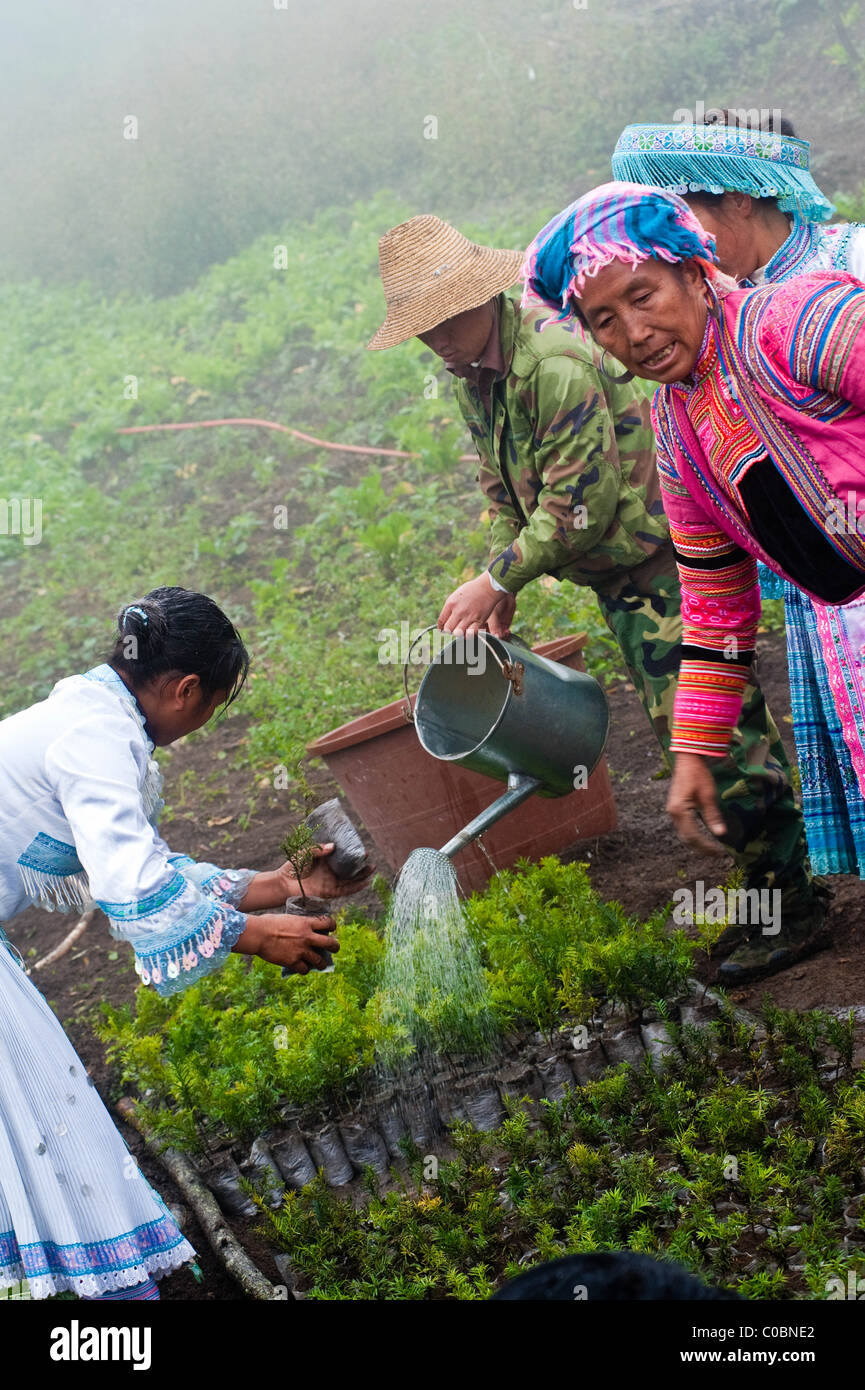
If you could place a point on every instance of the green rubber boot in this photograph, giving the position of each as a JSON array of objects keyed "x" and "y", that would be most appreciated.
[
  {"x": 731, "y": 937},
  {"x": 760, "y": 955},
  {"x": 820, "y": 895}
]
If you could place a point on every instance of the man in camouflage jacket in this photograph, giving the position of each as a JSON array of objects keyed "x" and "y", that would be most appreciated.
[{"x": 567, "y": 464}]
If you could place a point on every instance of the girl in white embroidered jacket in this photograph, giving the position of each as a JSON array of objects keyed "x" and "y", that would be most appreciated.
[{"x": 79, "y": 801}]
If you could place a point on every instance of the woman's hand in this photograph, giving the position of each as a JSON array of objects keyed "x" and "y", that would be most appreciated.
[
  {"x": 271, "y": 888},
  {"x": 321, "y": 882},
  {"x": 295, "y": 942},
  {"x": 469, "y": 608},
  {"x": 693, "y": 792}
]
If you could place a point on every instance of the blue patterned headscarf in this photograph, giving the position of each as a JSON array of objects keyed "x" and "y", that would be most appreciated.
[
  {"x": 617, "y": 222},
  {"x": 718, "y": 159}
]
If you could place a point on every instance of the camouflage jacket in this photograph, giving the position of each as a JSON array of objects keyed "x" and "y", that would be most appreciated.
[{"x": 567, "y": 459}]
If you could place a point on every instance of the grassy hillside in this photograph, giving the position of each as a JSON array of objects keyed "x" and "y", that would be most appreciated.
[{"x": 313, "y": 553}]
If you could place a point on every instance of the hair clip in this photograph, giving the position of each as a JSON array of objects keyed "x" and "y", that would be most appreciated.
[{"x": 134, "y": 608}]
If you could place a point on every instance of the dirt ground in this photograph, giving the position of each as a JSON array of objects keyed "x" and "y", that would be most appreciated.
[{"x": 639, "y": 865}]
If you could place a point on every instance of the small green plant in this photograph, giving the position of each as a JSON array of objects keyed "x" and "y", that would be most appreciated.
[
  {"x": 745, "y": 1148},
  {"x": 299, "y": 843},
  {"x": 633, "y": 1161},
  {"x": 226, "y": 1055}
]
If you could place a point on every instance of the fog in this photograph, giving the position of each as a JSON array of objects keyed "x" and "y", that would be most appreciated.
[{"x": 144, "y": 141}]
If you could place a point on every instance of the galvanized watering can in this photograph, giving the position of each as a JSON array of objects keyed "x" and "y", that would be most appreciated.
[{"x": 498, "y": 708}]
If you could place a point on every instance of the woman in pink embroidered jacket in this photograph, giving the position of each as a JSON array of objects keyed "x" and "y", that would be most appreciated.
[
  {"x": 760, "y": 420},
  {"x": 79, "y": 801}
]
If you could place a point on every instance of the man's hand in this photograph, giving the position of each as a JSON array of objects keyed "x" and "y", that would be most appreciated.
[
  {"x": 295, "y": 942},
  {"x": 499, "y": 621},
  {"x": 470, "y": 608},
  {"x": 693, "y": 792}
]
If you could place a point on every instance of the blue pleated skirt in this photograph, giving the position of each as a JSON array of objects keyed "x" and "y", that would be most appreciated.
[{"x": 832, "y": 801}]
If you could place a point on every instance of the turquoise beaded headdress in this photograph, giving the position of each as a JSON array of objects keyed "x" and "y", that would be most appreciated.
[{"x": 721, "y": 159}]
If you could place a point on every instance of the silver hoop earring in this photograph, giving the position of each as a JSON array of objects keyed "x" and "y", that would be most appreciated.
[{"x": 623, "y": 376}]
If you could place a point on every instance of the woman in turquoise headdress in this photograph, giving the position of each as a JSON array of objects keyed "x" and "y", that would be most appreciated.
[{"x": 753, "y": 190}]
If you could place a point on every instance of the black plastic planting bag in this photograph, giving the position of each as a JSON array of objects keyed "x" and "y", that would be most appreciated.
[
  {"x": 421, "y": 1118},
  {"x": 448, "y": 1104},
  {"x": 293, "y": 1160},
  {"x": 223, "y": 1179},
  {"x": 624, "y": 1046},
  {"x": 364, "y": 1145},
  {"x": 589, "y": 1062},
  {"x": 390, "y": 1123},
  {"x": 330, "y": 824},
  {"x": 261, "y": 1169},
  {"x": 658, "y": 1043},
  {"x": 482, "y": 1102},
  {"x": 328, "y": 1152},
  {"x": 310, "y": 907},
  {"x": 521, "y": 1080},
  {"x": 556, "y": 1076}
]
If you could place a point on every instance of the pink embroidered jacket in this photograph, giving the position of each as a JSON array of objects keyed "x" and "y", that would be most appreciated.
[{"x": 782, "y": 374}]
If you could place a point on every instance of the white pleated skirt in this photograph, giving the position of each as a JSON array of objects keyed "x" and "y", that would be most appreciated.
[{"x": 76, "y": 1213}]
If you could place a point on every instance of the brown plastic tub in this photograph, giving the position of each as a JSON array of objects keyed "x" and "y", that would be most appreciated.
[{"x": 406, "y": 798}]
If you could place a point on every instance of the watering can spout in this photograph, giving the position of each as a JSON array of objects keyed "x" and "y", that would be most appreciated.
[{"x": 520, "y": 788}]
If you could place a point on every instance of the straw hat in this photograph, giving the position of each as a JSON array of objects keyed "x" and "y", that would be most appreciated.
[{"x": 430, "y": 272}]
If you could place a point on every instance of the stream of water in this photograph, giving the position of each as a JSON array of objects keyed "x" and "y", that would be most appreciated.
[{"x": 436, "y": 998}]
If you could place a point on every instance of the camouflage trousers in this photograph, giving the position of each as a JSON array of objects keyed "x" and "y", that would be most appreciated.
[{"x": 765, "y": 829}]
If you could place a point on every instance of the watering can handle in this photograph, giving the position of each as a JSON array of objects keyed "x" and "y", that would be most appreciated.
[
  {"x": 407, "y": 709},
  {"x": 511, "y": 672}
]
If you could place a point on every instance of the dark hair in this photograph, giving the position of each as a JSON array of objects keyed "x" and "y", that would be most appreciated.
[
  {"x": 623, "y": 1275},
  {"x": 177, "y": 631},
  {"x": 732, "y": 116}
]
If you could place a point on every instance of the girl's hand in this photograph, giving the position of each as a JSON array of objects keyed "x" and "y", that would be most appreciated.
[
  {"x": 321, "y": 882},
  {"x": 271, "y": 888},
  {"x": 295, "y": 942},
  {"x": 692, "y": 794}
]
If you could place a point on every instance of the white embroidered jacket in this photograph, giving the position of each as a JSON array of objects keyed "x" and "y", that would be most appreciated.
[{"x": 80, "y": 795}]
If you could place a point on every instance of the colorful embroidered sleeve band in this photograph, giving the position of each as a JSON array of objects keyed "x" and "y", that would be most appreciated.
[{"x": 720, "y": 615}]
